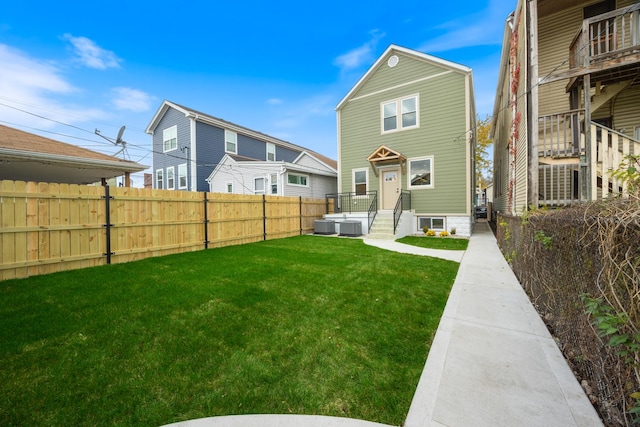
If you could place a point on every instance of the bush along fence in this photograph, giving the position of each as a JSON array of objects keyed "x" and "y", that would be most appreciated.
[
  {"x": 580, "y": 268},
  {"x": 47, "y": 227}
]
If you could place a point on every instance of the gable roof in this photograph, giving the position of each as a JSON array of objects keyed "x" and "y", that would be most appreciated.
[
  {"x": 28, "y": 157},
  {"x": 322, "y": 168},
  {"x": 409, "y": 52},
  {"x": 216, "y": 121}
]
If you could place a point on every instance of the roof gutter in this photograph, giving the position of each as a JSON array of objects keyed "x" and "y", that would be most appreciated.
[{"x": 123, "y": 165}]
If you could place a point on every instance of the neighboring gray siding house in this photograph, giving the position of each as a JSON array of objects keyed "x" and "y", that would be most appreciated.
[
  {"x": 188, "y": 145},
  {"x": 406, "y": 132},
  {"x": 306, "y": 176}
]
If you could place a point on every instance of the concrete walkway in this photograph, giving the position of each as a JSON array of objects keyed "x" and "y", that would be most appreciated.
[{"x": 492, "y": 362}]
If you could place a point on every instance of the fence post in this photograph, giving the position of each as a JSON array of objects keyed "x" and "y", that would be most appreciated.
[
  {"x": 264, "y": 217},
  {"x": 206, "y": 223},
  {"x": 300, "y": 215},
  {"x": 108, "y": 225}
]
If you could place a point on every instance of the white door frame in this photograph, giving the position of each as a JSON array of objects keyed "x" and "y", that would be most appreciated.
[{"x": 381, "y": 172}]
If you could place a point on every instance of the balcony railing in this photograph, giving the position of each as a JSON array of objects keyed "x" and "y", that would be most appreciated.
[
  {"x": 610, "y": 35},
  {"x": 561, "y": 135}
]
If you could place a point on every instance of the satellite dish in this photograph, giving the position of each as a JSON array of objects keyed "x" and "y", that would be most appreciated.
[
  {"x": 118, "y": 141},
  {"x": 119, "y": 137}
]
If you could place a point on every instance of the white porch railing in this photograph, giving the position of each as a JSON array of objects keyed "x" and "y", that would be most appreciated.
[
  {"x": 608, "y": 148},
  {"x": 562, "y": 155}
]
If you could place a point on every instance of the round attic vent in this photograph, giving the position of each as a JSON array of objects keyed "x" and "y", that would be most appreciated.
[{"x": 393, "y": 61}]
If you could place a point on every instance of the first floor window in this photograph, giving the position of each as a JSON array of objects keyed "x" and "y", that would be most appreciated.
[
  {"x": 638, "y": 127},
  {"x": 420, "y": 173},
  {"x": 230, "y": 142},
  {"x": 258, "y": 186},
  {"x": 271, "y": 152},
  {"x": 170, "y": 178},
  {"x": 360, "y": 181},
  {"x": 432, "y": 223},
  {"x": 273, "y": 181},
  {"x": 294, "y": 179},
  {"x": 159, "y": 179},
  {"x": 229, "y": 186},
  {"x": 170, "y": 138},
  {"x": 182, "y": 176}
]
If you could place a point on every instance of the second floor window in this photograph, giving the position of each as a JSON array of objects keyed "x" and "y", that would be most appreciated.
[
  {"x": 400, "y": 114},
  {"x": 170, "y": 138},
  {"x": 271, "y": 152},
  {"x": 230, "y": 142}
]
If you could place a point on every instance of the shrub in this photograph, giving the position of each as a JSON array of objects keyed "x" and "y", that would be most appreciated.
[
  {"x": 444, "y": 234},
  {"x": 430, "y": 233},
  {"x": 453, "y": 230}
]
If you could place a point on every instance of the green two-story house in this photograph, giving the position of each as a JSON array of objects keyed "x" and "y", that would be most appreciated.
[{"x": 406, "y": 138}]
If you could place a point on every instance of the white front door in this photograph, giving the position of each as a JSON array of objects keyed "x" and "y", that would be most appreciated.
[{"x": 390, "y": 188}]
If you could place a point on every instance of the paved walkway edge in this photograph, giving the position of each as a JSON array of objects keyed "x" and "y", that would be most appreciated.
[{"x": 492, "y": 361}]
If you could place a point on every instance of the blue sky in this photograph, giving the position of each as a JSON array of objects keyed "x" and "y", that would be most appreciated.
[{"x": 68, "y": 68}]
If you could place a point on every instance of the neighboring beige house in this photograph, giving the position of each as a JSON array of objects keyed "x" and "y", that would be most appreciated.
[
  {"x": 567, "y": 103},
  {"x": 28, "y": 157},
  {"x": 406, "y": 141}
]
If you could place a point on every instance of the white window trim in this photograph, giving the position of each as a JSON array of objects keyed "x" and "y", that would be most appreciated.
[
  {"x": 297, "y": 174},
  {"x": 264, "y": 185},
  {"x": 433, "y": 175},
  {"x": 164, "y": 149},
  {"x": 226, "y": 187},
  {"x": 173, "y": 173},
  {"x": 353, "y": 179},
  {"x": 226, "y": 133},
  {"x": 398, "y": 102},
  {"x": 444, "y": 222},
  {"x": 271, "y": 145},
  {"x": 186, "y": 177},
  {"x": 276, "y": 182},
  {"x": 161, "y": 172}
]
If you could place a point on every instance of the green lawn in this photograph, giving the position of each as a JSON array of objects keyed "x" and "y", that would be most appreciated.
[
  {"x": 449, "y": 243},
  {"x": 304, "y": 325}
]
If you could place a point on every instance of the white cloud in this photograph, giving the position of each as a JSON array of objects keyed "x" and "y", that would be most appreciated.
[
  {"x": 275, "y": 101},
  {"x": 92, "y": 55},
  {"x": 132, "y": 99},
  {"x": 32, "y": 85},
  {"x": 360, "y": 55},
  {"x": 472, "y": 30}
]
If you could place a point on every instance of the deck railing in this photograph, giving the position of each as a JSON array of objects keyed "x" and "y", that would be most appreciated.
[
  {"x": 351, "y": 202},
  {"x": 607, "y": 36},
  {"x": 608, "y": 149},
  {"x": 563, "y": 170}
]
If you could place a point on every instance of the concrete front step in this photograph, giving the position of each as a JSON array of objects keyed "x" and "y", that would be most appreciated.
[{"x": 381, "y": 236}]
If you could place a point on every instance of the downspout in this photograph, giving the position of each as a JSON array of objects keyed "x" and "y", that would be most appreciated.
[
  {"x": 193, "y": 185},
  {"x": 532, "y": 104}
]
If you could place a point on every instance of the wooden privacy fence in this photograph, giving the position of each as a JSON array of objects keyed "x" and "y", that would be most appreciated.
[{"x": 48, "y": 227}]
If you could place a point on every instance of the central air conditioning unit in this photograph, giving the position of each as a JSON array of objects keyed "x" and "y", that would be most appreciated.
[
  {"x": 351, "y": 228},
  {"x": 325, "y": 226}
]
